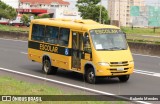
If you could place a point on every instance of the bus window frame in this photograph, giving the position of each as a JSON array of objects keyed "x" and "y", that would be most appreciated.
[
  {"x": 43, "y": 37},
  {"x": 57, "y": 39},
  {"x": 59, "y": 36}
]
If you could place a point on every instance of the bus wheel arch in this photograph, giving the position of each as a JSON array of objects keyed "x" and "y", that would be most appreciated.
[
  {"x": 89, "y": 74},
  {"x": 47, "y": 66}
]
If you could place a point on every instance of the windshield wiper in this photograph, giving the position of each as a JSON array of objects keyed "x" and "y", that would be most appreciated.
[
  {"x": 109, "y": 49},
  {"x": 104, "y": 49},
  {"x": 118, "y": 48},
  {"x": 113, "y": 48}
]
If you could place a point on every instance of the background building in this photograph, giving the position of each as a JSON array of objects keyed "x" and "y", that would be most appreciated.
[
  {"x": 55, "y": 8},
  {"x": 41, "y": 6},
  {"x": 119, "y": 11}
]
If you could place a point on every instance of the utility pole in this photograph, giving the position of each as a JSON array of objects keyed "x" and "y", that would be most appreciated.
[
  {"x": 119, "y": 14},
  {"x": 100, "y": 12}
]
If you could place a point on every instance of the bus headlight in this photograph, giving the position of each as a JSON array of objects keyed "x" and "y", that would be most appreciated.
[{"x": 103, "y": 64}]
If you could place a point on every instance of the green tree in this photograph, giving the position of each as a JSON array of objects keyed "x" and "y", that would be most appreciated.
[
  {"x": 44, "y": 16},
  {"x": 90, "y": 9},
  {"x": 25, "y": 19},
  {"x": 7, "y": 11}
]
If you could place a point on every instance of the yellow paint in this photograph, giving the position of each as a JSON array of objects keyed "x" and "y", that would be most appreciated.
[{"x": 87, "y": 56}]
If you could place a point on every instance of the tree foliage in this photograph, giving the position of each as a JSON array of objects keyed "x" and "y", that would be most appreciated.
[
  {"x": 90, "y": 9},
  {"x": 26, "y": 18},
  {"x": 7, "y": 11},
  {"x": 44, "y": 16}
]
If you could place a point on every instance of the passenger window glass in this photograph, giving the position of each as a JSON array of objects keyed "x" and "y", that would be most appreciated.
[
  {"x": 64, "y": 36},
  {"x": 38, "y": 32},
  {"x": 52, "y": 34}
]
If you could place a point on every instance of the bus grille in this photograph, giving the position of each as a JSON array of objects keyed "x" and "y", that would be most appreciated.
[
  {"x": 118, "y": 64},
  {"x": 115, "y": 65}
]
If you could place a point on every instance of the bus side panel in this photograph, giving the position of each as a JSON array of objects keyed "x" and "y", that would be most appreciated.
[
  {"x": 57, "y": 60},
  {"x": 61, "y": 61},
  {"x": 35, "y": 55},
  {"x": 83, "y": 63}
]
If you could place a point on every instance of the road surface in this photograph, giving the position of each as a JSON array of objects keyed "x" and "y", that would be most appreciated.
[{"x": 145, "y": 80}]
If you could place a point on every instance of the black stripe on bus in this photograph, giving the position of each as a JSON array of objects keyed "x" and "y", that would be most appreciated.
[
  {"x": 50, "y": 48},
  {"x": 55, "y": 49}
]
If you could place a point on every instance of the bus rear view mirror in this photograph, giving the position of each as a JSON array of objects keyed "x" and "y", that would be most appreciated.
[{"x": 125, "y": 35}]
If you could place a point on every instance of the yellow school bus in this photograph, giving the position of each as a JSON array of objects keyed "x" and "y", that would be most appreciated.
[{"x": 83, "y": 46}]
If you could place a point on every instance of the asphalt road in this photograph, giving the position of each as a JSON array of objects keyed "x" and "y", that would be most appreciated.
[{"x": 145, "y": 81}]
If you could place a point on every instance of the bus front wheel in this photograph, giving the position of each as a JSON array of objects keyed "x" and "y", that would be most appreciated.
[
  {"x": 124, "y": 78},
  {"x": 47, "y": 68},
  {"x": 90, "y": 76}
]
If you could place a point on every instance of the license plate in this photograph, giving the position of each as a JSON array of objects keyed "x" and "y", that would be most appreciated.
[{"x": 120, "y": 69}]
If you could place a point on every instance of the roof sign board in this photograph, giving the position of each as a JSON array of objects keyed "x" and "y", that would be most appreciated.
[{"x": 154, "y": 16}]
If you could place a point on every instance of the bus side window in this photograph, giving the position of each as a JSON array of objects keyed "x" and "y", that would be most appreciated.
[
  {"x": 86, "y": 43},
  {"x": 38, "y": 32},
  {"x": 64, "y": 36},
  {"x": 52, "y": 34}
]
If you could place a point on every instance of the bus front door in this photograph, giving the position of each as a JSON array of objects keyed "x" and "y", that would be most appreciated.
[{"x": 77, "y": 40}]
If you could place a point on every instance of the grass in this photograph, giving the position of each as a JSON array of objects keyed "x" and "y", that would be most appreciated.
[
  {"x": 13, "y": 28},
  {"x": 10, "y": 86},
  {"x": 20, "y": 87},
  {"x": 141, "y": 31},
  {"x": 143, "y": 39},
  {"x": 142, "y": 35}
]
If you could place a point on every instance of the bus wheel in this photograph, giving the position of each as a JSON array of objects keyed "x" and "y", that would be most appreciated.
[
  {"x": 47, "y": 68},
  {"x": 90, "y": 76},
  {"x": 124, "y": 78}
]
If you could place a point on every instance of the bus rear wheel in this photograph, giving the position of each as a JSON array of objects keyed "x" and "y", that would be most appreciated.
[
  {"x": 47, "y": 68},
  {"x": 124, "y": 78},
  {"x": 90, "y": 76}
]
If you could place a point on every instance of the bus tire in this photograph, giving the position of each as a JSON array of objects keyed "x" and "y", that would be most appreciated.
[
  {"x": 124, "y": 78},
  {"x": 47, "y": 68},
  {"x": 90, "y": 76}
]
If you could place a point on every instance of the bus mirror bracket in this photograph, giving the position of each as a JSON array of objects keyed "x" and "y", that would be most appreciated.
[{"x": 125, "y": 35}]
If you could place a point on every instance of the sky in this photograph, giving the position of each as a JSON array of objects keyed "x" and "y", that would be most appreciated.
[{"x": 73, "y": 2}]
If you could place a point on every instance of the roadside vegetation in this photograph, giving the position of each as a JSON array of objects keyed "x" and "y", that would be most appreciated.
[
  {"x": 8, "y": 28},
  {"x": 141, "y": 31},
  {"x": 26, "y": 18},
  {"x": 142, "y": 35},
  {"x": 10, "y": 86}
]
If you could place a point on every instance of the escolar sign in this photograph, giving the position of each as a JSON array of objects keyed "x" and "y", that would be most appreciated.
[
  {"x": 48, "y": 48},
  {"x": 106, "y": 31}
]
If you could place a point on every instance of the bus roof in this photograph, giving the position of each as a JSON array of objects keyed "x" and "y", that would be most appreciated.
[{"x": 83, "y": 24}]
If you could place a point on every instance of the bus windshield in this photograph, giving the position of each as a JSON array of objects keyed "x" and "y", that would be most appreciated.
[{"x": 108, "y": 39}]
